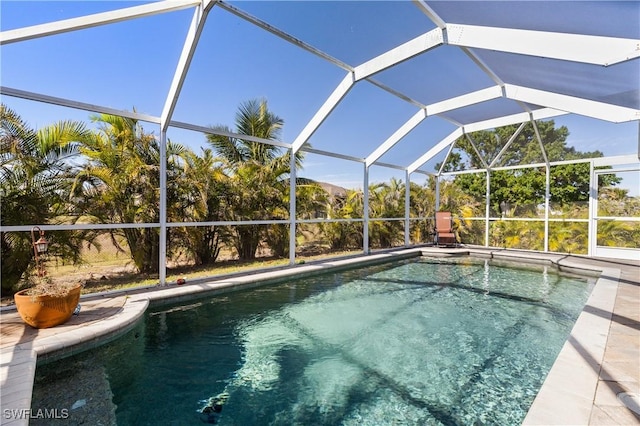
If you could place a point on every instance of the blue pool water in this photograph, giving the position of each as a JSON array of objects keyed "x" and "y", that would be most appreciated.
[{"x": 423, "y": 341}]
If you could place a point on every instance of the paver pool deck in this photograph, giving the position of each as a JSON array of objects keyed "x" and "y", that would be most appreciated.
[{"x": 595, "y": 379}]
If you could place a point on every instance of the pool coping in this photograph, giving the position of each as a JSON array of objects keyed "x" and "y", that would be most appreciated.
[{"x": 562, "y": 399}]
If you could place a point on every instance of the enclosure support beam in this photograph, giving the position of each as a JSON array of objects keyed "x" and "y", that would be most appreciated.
[
  {"x": 593, "y": 210},
  {"x": 465, "y": 100},
  {"x": 539, "y": 138},
  {"x": 197, "y": 24},
  {"x": 509, "y": 142},
  {"x": 292, "y": 208},
  {"x": 401, "y": 53},
  {"x": 73, "y": 24},
  {"x": 395, "y": 138},
  {"x": 475, "y": 148},
  {"x": 547, "y": 196},
  {"x": 450, "y": 139},
  {"x": 211, "y": 131},
  {"x": 365, "y": 213},
  {"x": 162, "y": 251},
  {"x": 407, "y": 207},
  {"x": 484, "y": 67},
  {"x": 586, "y": 107},
  {"x": 588, "y": 49},
  {"x": 188, "y": 49},
  {"x": 278, "y": 33},
  {"x": 487, "y": 209},
  {"x": 433, "y": 109},
  {"x": 518, "y": 118},
  {"x": 547, "y": 190},
  {"x": 53, "y": 100},
  {"x": 446, "y": 158},
  {"x": 437, "y": 193},
  {"x": 332, "y": 101},
  {"x": 431, "y": 14}
]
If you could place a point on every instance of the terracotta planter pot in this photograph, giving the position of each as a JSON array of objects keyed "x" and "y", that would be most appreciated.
[{"x": 46, "y": 311}]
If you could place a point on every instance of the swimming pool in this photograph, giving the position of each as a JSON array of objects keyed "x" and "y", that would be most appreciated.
[{"x": 420, "y": 341}]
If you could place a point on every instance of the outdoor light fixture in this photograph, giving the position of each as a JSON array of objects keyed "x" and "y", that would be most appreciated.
[{"x": 39, "y": 247}]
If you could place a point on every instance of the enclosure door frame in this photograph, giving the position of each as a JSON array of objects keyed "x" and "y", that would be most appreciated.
[{"x": 630, "y": 164}]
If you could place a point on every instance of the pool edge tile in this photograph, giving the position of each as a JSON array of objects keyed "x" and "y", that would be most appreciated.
[{"x": 562, "y": 399}]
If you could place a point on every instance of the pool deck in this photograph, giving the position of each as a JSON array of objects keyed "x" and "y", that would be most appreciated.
[{"x": 597, "y": 369}]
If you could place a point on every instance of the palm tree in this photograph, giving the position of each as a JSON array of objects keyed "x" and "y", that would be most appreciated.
[
  {"x": 568, "y": 237},
  {"x": 422, "y": 206},
  {"x": 201, "y": 188},
  {"x": 35, "y": 177},
  {"x": 345, "y": 235},
  {"x": 258, "y": 175},
  {"x": 311, "y": 203},
  {"x": 120, "y": 184},
  {"x": 387, "y": 201}
]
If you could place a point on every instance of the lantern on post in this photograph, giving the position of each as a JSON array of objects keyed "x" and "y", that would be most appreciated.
[{"x": 40, "y": 247}]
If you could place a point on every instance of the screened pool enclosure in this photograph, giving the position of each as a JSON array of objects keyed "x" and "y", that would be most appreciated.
[{"x": 522, "y": 118}]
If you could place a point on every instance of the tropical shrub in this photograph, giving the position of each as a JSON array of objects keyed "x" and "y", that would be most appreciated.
[{"x": 35, "y": 178}]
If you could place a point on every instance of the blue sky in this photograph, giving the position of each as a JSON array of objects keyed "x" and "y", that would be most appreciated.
[{"x": 130, "y": 65}]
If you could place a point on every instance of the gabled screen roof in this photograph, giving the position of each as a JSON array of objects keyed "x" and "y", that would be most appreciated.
[{"x": 358, "y": 79}]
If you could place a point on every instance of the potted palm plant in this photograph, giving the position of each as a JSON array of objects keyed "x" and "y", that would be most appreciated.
[
  {"x": 44, "y": 303},
  {"x": 34, "y": 186}
]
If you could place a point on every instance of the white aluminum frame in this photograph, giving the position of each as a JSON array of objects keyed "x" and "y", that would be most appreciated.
[
  {"x": 603, "y": 51},
  {"x": 594, "y": 217}
]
